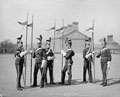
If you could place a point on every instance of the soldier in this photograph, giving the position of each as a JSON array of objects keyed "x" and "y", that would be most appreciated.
[
  {"x": 105, "y": 61},
  {"x": 19, "y": 55},
  {"x": 68, "y": 62},
  {"x": 40, "y": 63},
  {"x": 87, "y": 55},
  {"x": 50, "y": 60}
]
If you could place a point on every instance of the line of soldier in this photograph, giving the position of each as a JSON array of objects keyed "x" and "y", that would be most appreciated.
[
  {"x": 105, "y": 61},
  {"x": 44, "y": 60}
]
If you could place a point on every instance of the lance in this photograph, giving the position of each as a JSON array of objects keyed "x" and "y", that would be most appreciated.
[
  {"x": 26, "y": 49},
  {"x": 93, "y": 49},
  {"x": 62, "y": 46},
  {"x": 54, "y": 36},
  {"x": 31, "y": 53},
  {"x": 54, "y": 42}
]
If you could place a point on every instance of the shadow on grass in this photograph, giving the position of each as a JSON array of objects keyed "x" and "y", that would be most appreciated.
[
  {"x": 98, "y": 80},
  {"x": 111, "y": 81},
  {"x": 73, "y": 82},
  {"x": 114, "y": 81},
  {"x": 57, "y": 84}
]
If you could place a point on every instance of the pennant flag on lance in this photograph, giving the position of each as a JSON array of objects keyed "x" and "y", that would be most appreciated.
[
  {"x": 91, "y": 28},
  {"x": 23, "y": 23},
  {"x": 30, "y": 25},
  {"x": 58, "y": 30},
  {"x": 51, "y": 29}
]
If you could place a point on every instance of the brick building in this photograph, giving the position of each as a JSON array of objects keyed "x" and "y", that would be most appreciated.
[
  {"x": 111, "y": 44},
  {"x": 72, "y": 32}
]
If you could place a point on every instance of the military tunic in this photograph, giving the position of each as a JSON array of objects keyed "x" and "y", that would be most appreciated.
[
  {"x": 87, "y": 65},
  {"x": 39, "y": 54},
  {"x": 19, "y": 65},
  {"x": 49, "y": 53},
  {"x": 68, "y": 66},
  {"x": 105, "y": 57}
]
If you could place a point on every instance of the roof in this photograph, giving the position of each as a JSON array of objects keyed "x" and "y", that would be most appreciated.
[{"x": 59, "y": 35}]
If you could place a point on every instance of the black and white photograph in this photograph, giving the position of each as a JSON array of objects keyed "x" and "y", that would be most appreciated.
[{"x": 59, "y": 48}]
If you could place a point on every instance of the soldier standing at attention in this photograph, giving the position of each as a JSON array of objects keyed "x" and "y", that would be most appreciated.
[
  {"x": 105, "y": 61},
  {"x": 50, "y": 60},
  {"x": 19, "y": 61},
  {"x": 87, "y": 55},
  {"x": 40, "y": 63},
  {"x": 68, "y": 62}
]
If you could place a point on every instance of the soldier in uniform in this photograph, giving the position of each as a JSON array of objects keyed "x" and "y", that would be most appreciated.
[
  {"x": 68, "y": 61},
  {"x": 50, "y": 60},
  {"x": 105, "y": 61},
  {"x": 19, "y": 61},
  {"x": 40, "y": 63},
  {"x": 87, "y": 55}
]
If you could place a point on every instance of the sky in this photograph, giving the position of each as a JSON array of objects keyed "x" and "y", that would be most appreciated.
[{"x": 106, "y": 14}]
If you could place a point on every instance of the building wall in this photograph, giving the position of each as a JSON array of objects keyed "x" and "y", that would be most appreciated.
[
  {"x": 78, "y": 45},
  {"x": 111, "y": 44},
  {"x": 115, "y": 48},
  {"x": 78, "y": 42},
  {"x": 57, "y": 45}
]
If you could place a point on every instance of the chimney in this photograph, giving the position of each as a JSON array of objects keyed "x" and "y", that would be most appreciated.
[
  {"x": 110, "y": 38},
  {"x": 75, "y": 25},
  {"x": 71, "y": 27}
]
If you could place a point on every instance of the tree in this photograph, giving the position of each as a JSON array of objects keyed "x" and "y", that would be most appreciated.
[{"x": 7, "y": 46}]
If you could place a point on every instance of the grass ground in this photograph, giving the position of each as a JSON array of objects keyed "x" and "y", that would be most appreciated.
[{"x": 77, "y": 89}]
